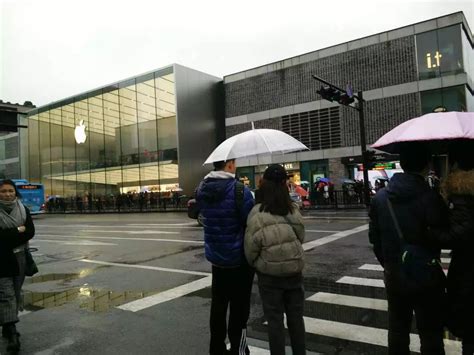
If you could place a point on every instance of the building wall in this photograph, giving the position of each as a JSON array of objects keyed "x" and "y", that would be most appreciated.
[{"x": 379, "y": 65}]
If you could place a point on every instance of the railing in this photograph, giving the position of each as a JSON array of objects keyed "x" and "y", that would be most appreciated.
[
  {"x": 122, "y": 204},
  {"x": 335, "y": 200}
]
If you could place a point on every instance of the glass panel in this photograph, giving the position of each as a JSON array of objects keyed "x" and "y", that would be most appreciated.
[
  {"x": 129, "y": 138},
  {"x": 439, "y": 52},
  {"x": 449, "y": 99},
  {"x": 33, "y": 139},
  {"x": 167, "y": 133},
  {"x": 24, "y": 157},
  {"x": 69, "y": 150},
  {"x": 450, "y": 50},
  {"x": 82, "y": 139},
  {"x": 468, "y": 55},
  {"x": 57, "y": 178},
  {"x": 147, "y": 136},
  {"x": 427, "y": 49},
  {"x": 112, "y": 148},
  {"x": 45, "y": 151},
  {"x": 97, "y": 148}
]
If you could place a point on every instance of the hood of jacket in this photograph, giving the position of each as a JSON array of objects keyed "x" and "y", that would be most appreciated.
[
  {"x": 404, "y": 187},
  {"x": 214, "y": 186},
  {"x": 459, "y": 182}
]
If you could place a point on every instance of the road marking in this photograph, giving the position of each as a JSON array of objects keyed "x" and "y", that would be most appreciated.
[
  {"x": 371, "y": 267},
  {"x": 120, "y": 238},
  {"x": 167, "y": 295},
  {"x": 376, "y": 267},
  {"x": 162, "y": 224},
  {"x": 350, "y": 301},
  {"x": 23, "y": 313},
  {"x": 258, "y": 351},
  {"x": 368, "y": 335},
  {"x": 445, "y": 260},
  {"x": 72, "y": 242},
  {"x": 320, "y": 231},
  {"x": 128, "y": 232},
  {"x": 361, "y": 281},
  {"x": 146, "y": 267},
  {"x": 333, "y": 237},
  {"x": 343, "y": 218}
]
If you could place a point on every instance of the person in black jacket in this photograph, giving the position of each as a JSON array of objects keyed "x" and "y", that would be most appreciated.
[
  {"x": 16, "y": 228},
  {"x": 416, "y": 207},
  {"x": 459, "y": 190}
]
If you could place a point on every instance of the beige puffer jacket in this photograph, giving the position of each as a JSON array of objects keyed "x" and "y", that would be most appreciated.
[{"x": 273, "y": 244}]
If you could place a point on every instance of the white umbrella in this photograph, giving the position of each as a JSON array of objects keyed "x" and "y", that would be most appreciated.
[{"x": 254, "y": 143}]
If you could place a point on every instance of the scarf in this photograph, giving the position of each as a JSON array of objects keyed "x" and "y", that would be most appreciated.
[{"x": 12, "y": 214}]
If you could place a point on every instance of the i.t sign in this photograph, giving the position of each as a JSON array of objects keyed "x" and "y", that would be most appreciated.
[{"x": 437, "y": 60}]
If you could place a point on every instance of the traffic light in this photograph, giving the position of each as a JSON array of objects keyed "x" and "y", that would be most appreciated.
[{"x": 331, "y": 94}]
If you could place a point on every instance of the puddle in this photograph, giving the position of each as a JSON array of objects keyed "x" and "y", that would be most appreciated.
[{"x": 87, "y": 298}]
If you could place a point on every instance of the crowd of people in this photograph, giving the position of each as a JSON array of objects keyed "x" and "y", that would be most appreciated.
[{"x": 131, "y": 201}]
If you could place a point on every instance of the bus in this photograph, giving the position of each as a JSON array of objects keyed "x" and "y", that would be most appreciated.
[{"x": 32, "y": 195}]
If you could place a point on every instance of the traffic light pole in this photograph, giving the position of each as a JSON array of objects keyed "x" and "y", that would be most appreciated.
[
  {"x": 363, "y": 144},
  {"x": 363, "y": 147}
]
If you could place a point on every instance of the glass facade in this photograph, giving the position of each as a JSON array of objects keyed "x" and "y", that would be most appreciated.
[
  {"x": 121, "y": 139},
  {"x": 440, "y": 53},
  {"x": 445, "y": 99}
]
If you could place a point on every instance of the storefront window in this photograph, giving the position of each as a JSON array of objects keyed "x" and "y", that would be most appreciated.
[{"x": 439, "y": 52}]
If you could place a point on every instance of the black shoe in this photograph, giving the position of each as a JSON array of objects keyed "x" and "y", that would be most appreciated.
[
  {"x": 13, "y": 345},
  {"x": 6, "y": 331}
]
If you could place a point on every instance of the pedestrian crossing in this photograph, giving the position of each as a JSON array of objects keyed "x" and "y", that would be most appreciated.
[{"x": 351, "y": 314}]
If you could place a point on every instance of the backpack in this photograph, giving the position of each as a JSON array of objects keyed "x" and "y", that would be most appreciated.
[{"x": 420, "y": 268}]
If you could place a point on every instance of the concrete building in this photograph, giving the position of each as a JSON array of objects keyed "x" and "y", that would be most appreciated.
[
  {"x": 11, "y": 115},
  {"x": 403, "y": 73}
]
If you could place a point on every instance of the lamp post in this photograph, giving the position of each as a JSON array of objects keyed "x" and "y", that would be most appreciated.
[{"x": 333, "y": 93}]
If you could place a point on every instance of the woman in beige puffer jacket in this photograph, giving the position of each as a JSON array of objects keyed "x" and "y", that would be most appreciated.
[{"x": 273, "y": 245}]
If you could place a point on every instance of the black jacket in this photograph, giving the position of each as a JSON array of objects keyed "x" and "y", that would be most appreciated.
[
  {"x": 9, "y": 240},
  {"x": 459, "y": 236},
  {"x": 416, "y": 207}
]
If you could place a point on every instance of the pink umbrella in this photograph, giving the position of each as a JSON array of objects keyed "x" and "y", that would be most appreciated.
[{"x": 433, "y": 127}]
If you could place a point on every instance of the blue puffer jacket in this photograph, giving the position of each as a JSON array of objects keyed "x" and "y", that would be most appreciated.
[{"x": 224, "y": 226}]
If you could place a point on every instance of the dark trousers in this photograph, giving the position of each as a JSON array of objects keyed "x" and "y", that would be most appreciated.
[
  {"x": 231, "y": 287},
  {"x": 281, "y": 295},
  {"x": 428, "y": 306}
]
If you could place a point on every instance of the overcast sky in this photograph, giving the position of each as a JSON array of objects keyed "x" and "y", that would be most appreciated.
[{"x": 52, "y": 49}]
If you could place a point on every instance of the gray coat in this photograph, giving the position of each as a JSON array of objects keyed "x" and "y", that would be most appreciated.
[{"x": 273, "y": 243}]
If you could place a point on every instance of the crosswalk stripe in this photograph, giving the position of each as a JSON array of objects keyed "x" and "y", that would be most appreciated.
[
  {"x": 361, "y": 281},
  {"x": 371, "y": 267},
  {"x": 368, "y": 335},
  {"x": 445, "y": 260},
  {"x": 167, "y": 295},
  {"x": 331, "y": 238},
  {"x": 351, "y": 301},
  {"x": 376, "y": 267}
]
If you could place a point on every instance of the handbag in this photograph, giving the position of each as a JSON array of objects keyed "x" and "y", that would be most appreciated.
[
  {"x": 30, "y": 266},
  {"x": 420, "y": 268}
]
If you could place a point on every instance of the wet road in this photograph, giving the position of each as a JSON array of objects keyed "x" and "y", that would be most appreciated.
[{"x": 139, "y": 284}]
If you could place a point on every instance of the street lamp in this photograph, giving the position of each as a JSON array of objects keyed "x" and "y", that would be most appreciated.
[{"x": 333, "y": 93}]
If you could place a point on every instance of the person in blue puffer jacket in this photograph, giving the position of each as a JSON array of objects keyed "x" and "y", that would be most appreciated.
[{"x": 224, "y": 215}]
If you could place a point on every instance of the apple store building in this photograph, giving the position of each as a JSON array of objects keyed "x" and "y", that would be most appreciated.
[{"x": 148, "y": 134}]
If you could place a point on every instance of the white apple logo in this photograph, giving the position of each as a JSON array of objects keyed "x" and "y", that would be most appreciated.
[{"x": 80, "y": 133}]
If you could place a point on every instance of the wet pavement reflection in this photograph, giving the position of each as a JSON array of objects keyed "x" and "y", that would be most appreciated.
[{"x": 96, "y": 300}]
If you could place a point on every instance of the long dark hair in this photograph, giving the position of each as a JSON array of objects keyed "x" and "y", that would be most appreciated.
[
  {"x": 11, "y": 183},
  {"x": 274, "y": 198}
]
